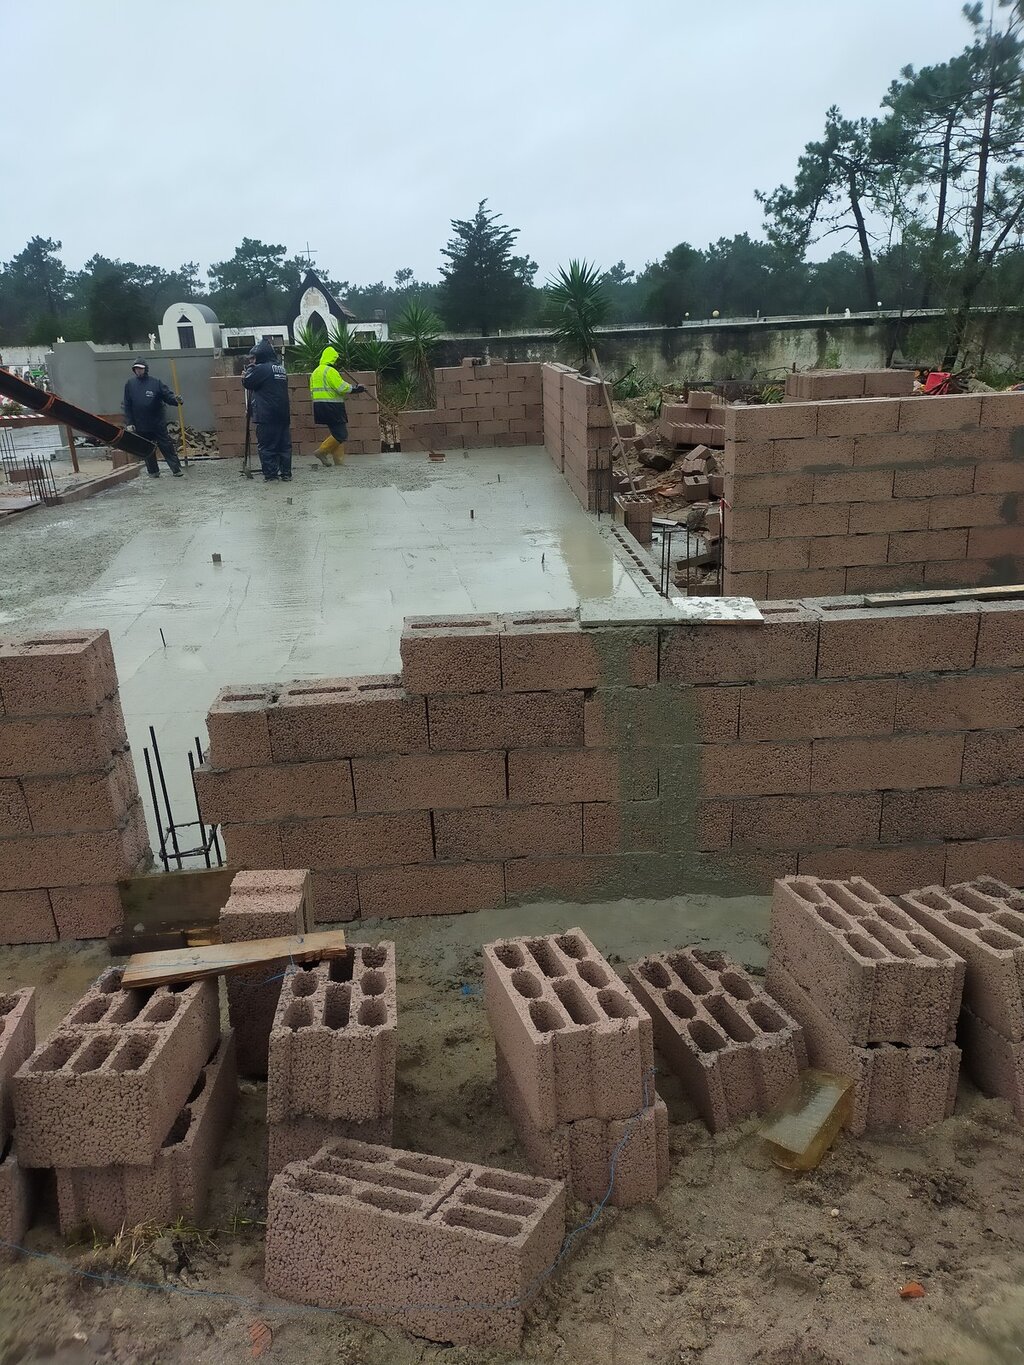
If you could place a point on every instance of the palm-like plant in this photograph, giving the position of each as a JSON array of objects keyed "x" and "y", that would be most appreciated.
[
  {"x": 370, "y": 353},
  {"x": 418, "y": 329},
  {"x": 304, "y": 356},
  {"x": 576, "y": 306}
]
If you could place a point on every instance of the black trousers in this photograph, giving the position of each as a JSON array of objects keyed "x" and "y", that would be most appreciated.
[
  {"x": 334, "y": 417},
  {"x": 274, "y": 443},
  {"x": 161, "y": 439}
]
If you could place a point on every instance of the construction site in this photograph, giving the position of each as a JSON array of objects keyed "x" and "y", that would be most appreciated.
[{"x": 546, "y": 890}]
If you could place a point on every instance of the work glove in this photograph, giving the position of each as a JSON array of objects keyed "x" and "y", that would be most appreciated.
[
  {"x": 358, "y": 388},
  {"x": 178, "y": 399},
  {"x": 129, "y": 428}
]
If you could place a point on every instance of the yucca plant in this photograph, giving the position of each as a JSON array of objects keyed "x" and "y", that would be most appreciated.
[
  {"x": 344, "y": 343},
  {"x": 304, "y": 356},
  {"x": 370, "y": 353},
  {"x": 418, "y": 329},
  {"x": 576, "y": 306}
]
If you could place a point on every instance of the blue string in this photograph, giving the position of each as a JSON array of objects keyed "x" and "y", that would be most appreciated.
[{"x": 285, "y": 1309}]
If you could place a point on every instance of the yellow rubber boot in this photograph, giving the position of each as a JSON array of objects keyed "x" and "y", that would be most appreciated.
[
  {"x": 338, "y": 455},
  {"x": 325, "y": 450}
]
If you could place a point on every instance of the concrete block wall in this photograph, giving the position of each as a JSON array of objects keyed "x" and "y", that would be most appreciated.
[
  {"x": 814, "y": 386},
  {"x": 17, "y": 1042},
  {"x": 877, "y": 996},
  {"x": 578, "y": 435},
  {"x": 735, "y": 1050},
  {"x": 698, "y": 421},
  {"x": 525, "y": 758},
  {"x": 575, "y": 1063},
  {"x": 412, "y": 1238},
  {"x": 982, "y": 921},
  {"x": 261, "y": 904},
  {"x": 71, "y": 818},
  {"x": 478, "y": 406},
  {"x": 874, "y": 495},
  {"x": 227, "y": 397}
]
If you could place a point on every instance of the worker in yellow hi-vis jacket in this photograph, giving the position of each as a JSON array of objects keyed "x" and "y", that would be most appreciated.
[{"x": 328, "y": 389}]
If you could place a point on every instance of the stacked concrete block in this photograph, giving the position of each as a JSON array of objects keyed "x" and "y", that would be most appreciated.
[
  {"x": 479, "y": 405},
  {"x": 576, "y": 1067},
  {"x": 554, "y": 437},
  {"x": 877, "y": 997},
  {"x": 73, "y": 823},
  {"x": 588, "y": 441},
  {"x": 442, "y": 1249},
  {"x": 735, "y": 1050},
  {"x": 983, "y": 922},
  {"x": 699, "y": 421},
  {"x": 814, "y": 386},
  {"x": 17, "y": 1041},
  {"x": 107, "y": 1086},
  {"x": 873, "y": 494},
  {"x": 333, "y": 1047},
  {"x": 261, "y": 904},
  {"x": 176, "y": 1182}
]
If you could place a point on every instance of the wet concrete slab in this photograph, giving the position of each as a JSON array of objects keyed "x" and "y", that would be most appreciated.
[{"x": 317, "y": 586}]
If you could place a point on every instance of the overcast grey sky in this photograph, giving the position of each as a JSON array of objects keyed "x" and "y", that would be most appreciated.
[{"x": 606, "y": 128}]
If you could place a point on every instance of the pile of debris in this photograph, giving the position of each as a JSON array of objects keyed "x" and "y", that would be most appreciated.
[{"x": 685, "y": 478}]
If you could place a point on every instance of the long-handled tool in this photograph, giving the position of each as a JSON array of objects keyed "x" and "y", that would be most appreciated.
[
  {"x": 245, "y": 471},
  {"x": 615, "y": 426},
  {"x": 181, "y": 414}
]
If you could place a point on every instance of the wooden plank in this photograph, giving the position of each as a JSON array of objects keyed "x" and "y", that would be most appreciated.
[
  {"x": 155, "y": 900},
  {"x": 192, "y": 964},
  {"x": 938, "y": 596}
]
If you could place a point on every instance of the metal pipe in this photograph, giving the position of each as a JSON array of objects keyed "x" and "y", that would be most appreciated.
[{"x": 49, "y": 405}]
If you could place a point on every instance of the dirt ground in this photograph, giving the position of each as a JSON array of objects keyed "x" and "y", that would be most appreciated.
[{"x": 736, "y": 1262}]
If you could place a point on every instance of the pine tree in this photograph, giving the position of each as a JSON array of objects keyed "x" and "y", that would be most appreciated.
[{"x": 485, "y": 286}]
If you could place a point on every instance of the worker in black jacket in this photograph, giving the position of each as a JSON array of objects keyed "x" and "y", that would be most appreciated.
[
  {"x": 144, "y": 401},
  {"x": 267, "y": 383}
]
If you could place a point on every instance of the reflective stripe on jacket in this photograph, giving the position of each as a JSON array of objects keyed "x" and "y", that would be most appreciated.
[{"x": 326, "y": 385}]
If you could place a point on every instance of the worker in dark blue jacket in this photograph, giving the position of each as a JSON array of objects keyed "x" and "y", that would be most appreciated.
[
  {"x": 267, "y": 382},
  {"x": 144, "y": 401}
]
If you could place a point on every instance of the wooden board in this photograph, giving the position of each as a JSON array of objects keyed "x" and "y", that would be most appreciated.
[
  {"x": 192, "y": 964},
  {"x": 939, "y": 595},
  {"x": 171, "y": 898}
]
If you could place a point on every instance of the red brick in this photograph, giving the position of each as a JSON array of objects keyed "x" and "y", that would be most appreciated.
[
  {"x": 345, "y": 717},
  {"x": 954, "y": 412},
  {"x": 276, "y": 791},
  {"x": 860, "y": 642},
  {"x": 561, "y": 775},
  {"x": 430, "y": 889},
  {"x": 237, "y": 725},
  {"x": 933, "y": 481},
  {"x": 55, "y": 672},
  {"x": 783, "y": 647},
  {"x": 508, "y": 721},
  {"x": 429, "y": 781},
  {"x": 885, "y": 577},
  {"x": 975, "y": 701},
  {"x": 897, "y": 514},
  {"x": 809, "y": 520},
  {"x": 792, "y": 822},
  {"x": 35, "y": 746},
  {"x": 828, "y": 551},
  {"x": 754, "y": 769},
  {"x": 890, "y": 870},
  {"x": 358, "y": 840},
  {"x": 994, "y": 543},
  {"x": 885, "y": 450},
  {"x": 872, "y": 485},
  {"x": 450, "y": 654},
  {"x": 508, "y": 832},
  {"x": 994, "y": 756},
  {"x": 77, "y": 802},
  {"x": 1001, "y": 635},
  {"x": 548, "y": 652},
  {"x": 959, "y": 813},
  {"x": 900, "y": 763},
  {"x": 1002, "y": 477},
  {"x": 806, "y": 583},
  {"x": 769, "y": 554},
  {"x": 817, "y": 710},
  {"x": 253, "y": 845},
  {"x": 86, "y": 911},
  {"x": 26, "y": 917},
  {"x": 67, "y": 859},
  {"x": 814, "y": 453},
  {"x": 999, "y": 858}
]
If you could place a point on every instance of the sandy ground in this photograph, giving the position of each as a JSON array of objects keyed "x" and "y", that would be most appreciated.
[{"x": 737, "y": 1261}]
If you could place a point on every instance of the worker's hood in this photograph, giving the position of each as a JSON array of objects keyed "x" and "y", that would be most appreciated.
[
  {"x": 263, "y": 352},
  {"x": 328, "y": 355},
  {"x": 136, "y": 363}
]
